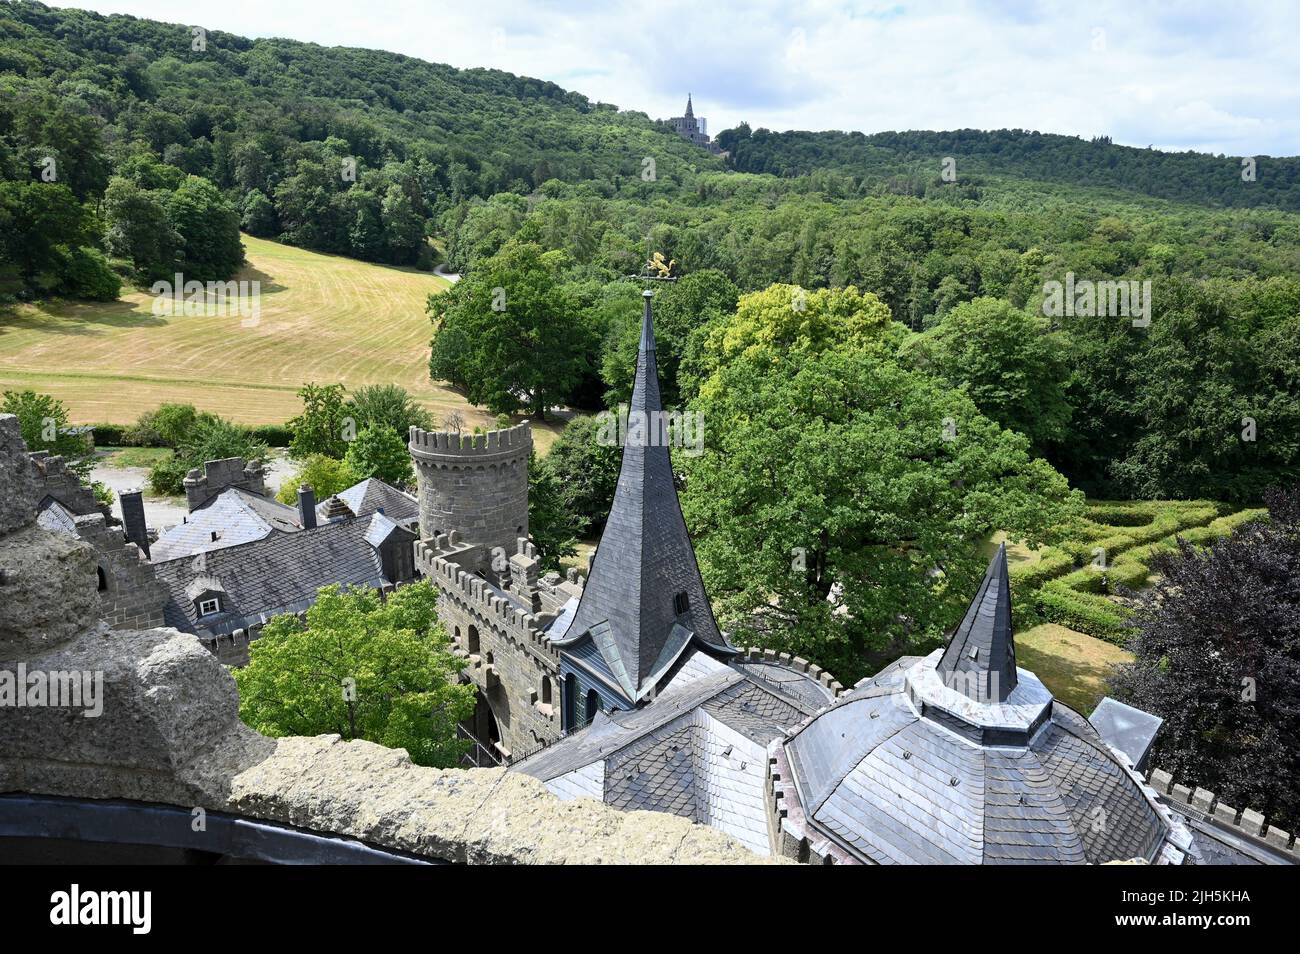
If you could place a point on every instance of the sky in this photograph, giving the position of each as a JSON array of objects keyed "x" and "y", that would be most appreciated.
[{"x": 1210, "y": 76}]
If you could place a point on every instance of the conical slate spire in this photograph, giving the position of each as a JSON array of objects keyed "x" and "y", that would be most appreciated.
[
  {"x": 980, "y": 661},
  {"x": 644, "y": 599},
  {"x": 690, "y": 110}
]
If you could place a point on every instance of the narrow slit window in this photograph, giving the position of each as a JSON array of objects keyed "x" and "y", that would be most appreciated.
[{"x": 681, "y": 604}]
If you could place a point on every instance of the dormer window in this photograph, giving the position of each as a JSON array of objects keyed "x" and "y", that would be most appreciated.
[
  {"x": 209, "y": 606},
  {"x": 681, "y": 604}
]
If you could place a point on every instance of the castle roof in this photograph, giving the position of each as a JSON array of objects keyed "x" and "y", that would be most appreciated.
[
  {"x": 644, "y": 602},
  {"x": 235, "y": 515},
  {"x": 690, "y": 110},
  {"x": 280, "y": 573},
  {"x": 372, "y": 494},
  {"x": 948, "y": 759},
  {"x": 980, "y": 660},
  {"x": 699, "y": 750}
]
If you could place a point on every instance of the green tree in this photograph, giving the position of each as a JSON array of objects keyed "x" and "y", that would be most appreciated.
[
  {"x": 510, "y": 334},
  {"x": 388, "y": 405},
  {"x": 584, "y": 472},
  {"x": 324, "y": 475},
  {"x": 139, "y": 229},
  {"x": 43, "y": 422},
  {"x": 1010, "y": 363},
  {"x": 379, "y": 452},
  {"x": 208, "y": 227},
  {"x": 324, "y": 426},
  {"x": 363, "y": 668},
  {"x": 552, "y": 524},
  {"x": 683, "y": 311},
  {"x": 842, "y": 501}
]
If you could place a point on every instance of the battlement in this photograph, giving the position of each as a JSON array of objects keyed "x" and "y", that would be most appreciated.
[
  {"x": 447, "y": 446},
  {"x": 436, "y": 559},
  {"x": 798, "y": 663},
  {"x": 219, "y": 475}
]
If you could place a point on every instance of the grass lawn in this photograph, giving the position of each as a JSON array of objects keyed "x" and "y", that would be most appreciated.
[
  {"x": 1074, "y": 666},
  {"x": 134, "y": 456},
  {"x": 324, "y": 318}
]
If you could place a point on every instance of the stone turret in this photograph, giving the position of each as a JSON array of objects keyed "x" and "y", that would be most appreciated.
[
  {"x": 220, "y": 475},
  {"x": 474, "y": 484}
]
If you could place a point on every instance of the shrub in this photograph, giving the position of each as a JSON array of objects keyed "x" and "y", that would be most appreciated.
[{"x": 272, "y": 435}]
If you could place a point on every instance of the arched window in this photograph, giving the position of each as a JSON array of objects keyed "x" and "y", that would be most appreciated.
[
  {"x": 593, "y": 705},
  {"x": 546, "y": 690},
  {"x": 457, "y": 635},
  {"x": 102, "y": 580},
  {"x": 473, "y": 641},
  {"x": 570, "y": 700}
]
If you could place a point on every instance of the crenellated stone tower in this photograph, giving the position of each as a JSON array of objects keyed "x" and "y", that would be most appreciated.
[{"x": 474, "y": 484}]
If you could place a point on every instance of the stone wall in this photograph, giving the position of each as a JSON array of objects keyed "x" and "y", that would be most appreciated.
[
  {"x": 130, "y": 596},
  {"x": 1246, "y": 820},
  {"x": 169, "y": 733},
  {"x": 504, "y": 648},
  {"x": 218, "y": 475}
]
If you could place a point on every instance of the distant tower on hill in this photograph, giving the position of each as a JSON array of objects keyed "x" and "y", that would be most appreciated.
[{"x": 694, "y": 129}]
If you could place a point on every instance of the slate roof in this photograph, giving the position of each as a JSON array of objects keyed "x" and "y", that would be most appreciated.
[
  {"x": 1127, "y": 729},
  {"x": 980, "y": 660},
  {"x": 373, "y": 494},
  {"x": 235, "y": 515},
  {"x": 699, "y": 750},
  {"x": 644, "y": 559},
  {"x": 891, "y": 783},
  {"x": 279, "y": 573},
  {"x": 57, "y": 518}
]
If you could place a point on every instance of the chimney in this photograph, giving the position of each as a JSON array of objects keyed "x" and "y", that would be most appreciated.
[
  {"x": 306, "y": 507},
  {"x": 133, "y": 519}
]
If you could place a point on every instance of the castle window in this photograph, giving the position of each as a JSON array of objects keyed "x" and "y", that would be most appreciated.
[
  {"x": 472, "y": 644},
  {"x": 570, "y": 701},
  {"x": 546, "y": 690},
  {"x": 593, "y": 705},
  {"x": 101, "y": 578},
  {"x": 209, "y": 606},
  {"x": 681, "y": 604}
]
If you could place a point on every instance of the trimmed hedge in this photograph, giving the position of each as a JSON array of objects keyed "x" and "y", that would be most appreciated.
[
  {"x": 1065, "y": 588},
  {"x": 120, "y": 435},
  {"x": 272, "y": 435},
  {"x": 1084, "y": 612}
]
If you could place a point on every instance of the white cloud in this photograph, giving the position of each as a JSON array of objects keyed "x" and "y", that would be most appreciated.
[{"x": 1202, "y": 75}]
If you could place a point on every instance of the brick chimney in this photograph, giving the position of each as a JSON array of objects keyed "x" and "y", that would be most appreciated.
[
  {"x": 133, "y": 522},
  {"x": 306, "y": 507}
]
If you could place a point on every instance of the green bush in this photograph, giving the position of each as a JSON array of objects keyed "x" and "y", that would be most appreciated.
[
  {"x": 272, "y": 435},
  {"x": 166, "y": 477},
  {"x": 110, "y": 435},
  {"x": 1083, "y": 612},
  {"x": 88, "y": 275}
]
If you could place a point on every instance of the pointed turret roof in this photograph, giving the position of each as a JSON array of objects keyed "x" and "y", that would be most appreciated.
[
  {"x": 980, "y": 661},
  {"x": 644, "y": 601},
  {"x": 690, "y": 110}
]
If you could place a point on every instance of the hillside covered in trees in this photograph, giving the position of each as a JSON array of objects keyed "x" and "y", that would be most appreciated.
[
  {"x": 909, "y": 161},
  {"x": 167, "y": 142}
]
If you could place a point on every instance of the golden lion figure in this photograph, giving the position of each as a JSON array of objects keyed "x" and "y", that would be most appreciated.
[{"x": 657, "y": 264}]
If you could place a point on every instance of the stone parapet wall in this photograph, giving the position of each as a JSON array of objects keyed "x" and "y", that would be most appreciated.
[{"x": 1248, "y": 821}]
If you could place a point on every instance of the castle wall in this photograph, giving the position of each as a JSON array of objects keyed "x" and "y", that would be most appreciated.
[
  {"x": 130, "y": 596},
  {"x": 504, "y": 649}
]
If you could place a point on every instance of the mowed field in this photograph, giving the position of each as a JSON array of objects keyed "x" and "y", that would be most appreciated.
[{"x": 323, "y": 318}]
